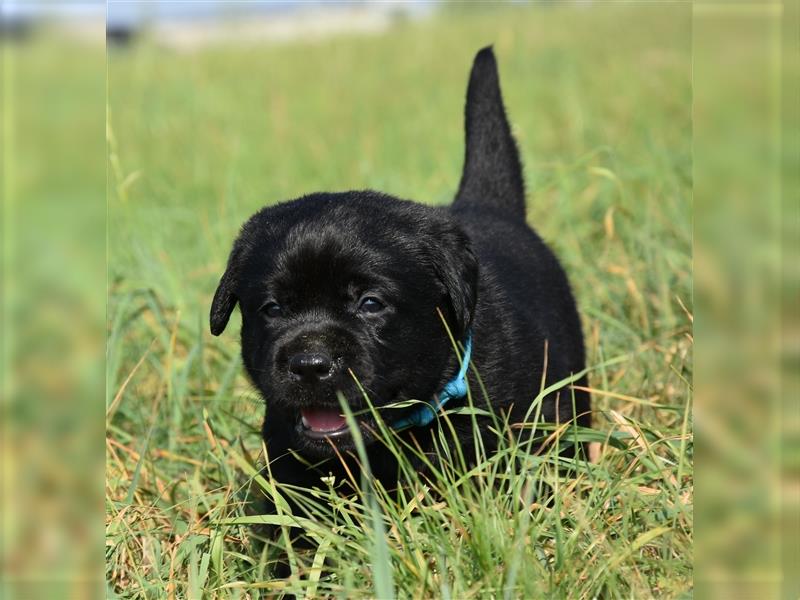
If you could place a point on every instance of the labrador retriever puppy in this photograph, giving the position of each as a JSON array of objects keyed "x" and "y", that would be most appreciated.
[{"x": 347, "y": 294}]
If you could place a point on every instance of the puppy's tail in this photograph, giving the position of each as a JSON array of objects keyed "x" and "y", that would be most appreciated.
[{"x": 492, "y": 175}]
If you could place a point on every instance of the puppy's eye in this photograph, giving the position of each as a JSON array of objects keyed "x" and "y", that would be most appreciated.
[
  {"x": 370, "y": 304},
  {"x": 272, "y": 310}
]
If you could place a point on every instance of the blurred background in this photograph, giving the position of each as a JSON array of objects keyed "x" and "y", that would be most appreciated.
[{"x": 138, "y": 135}]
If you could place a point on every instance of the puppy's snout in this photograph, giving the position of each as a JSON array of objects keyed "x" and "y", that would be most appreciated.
[{"x": 311, "y": 367}]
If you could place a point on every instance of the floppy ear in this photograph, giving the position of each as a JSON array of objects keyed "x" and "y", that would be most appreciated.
[
  {"x": 457, "y": 269},
  {"x": 224, "y": 298}
]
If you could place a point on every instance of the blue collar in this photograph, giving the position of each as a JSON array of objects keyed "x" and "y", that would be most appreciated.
[{"x": 455, "y": 388}]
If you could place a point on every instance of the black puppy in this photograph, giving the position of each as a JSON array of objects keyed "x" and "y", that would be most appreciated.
[{"x": 334, "y": 287}]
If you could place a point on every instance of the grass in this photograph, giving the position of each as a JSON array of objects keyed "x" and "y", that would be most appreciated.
[{"x": 599, "y": 100}]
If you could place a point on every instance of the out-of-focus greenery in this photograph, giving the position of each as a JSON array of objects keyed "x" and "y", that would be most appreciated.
[
  {"x": 600, "y": 102},
  {"x": 746, "y": 189},
  {"x": 52, "y": 326}
]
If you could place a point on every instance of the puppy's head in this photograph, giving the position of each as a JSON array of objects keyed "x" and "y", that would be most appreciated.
[{"x": 338, "y": 287}]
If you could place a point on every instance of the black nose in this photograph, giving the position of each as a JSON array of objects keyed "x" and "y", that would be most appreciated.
[{"x": 311, "y": 367}]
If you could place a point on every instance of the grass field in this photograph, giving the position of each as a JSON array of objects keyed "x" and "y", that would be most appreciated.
[{"x": 599, "y": 99}]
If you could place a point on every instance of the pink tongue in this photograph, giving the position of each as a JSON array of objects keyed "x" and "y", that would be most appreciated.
[{"x": 323, "y": 420}]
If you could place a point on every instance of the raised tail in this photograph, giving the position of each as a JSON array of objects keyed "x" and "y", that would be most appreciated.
[{"x": 492, "y": 175}]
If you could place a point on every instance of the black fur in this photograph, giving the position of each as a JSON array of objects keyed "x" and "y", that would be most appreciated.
[
  {"x": 477, "y": 261},
  {"x": 492, "y": 176}
]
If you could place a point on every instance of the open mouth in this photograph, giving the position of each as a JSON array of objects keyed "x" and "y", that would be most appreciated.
[{"x": 320, "y": 423}]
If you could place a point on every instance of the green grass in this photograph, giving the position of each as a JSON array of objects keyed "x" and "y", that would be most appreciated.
[{"x": 599, "y": 100}]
